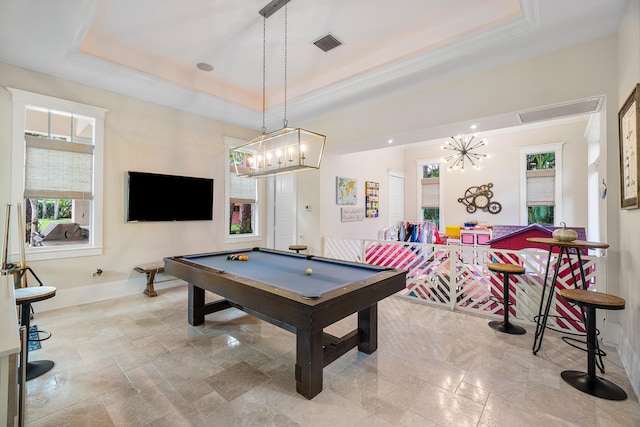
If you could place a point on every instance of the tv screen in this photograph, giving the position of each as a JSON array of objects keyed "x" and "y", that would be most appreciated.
[{"x": 157, "y": 197}]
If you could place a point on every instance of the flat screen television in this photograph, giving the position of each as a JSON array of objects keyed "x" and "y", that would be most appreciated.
[{"x": 157, "y": 197}]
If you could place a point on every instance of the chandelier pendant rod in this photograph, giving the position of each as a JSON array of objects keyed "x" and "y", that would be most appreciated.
[
  {"x": 284, "y": 120},
  {"x": 264, "y": 72}
]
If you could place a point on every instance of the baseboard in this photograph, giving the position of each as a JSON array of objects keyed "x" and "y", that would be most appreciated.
[
  {"x": 628, "y": 355},
  {"x": 101, "y": 291}
]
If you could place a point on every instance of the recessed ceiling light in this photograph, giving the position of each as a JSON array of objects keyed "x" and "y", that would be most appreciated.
[
  {"x": 390, "y": 141},
  {"x": 474, "y": 126},
  {"x": 203, "y": 66}
]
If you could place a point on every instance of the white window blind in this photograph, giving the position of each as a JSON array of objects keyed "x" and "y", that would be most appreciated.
[
  {"x": 541, "y": 187},
  {"x": 241, "y": 190},
  {"x": 430, "y": 192},
  {"x": 57, "y": 169}
]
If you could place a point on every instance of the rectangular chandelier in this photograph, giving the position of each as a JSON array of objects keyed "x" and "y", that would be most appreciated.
[{"x": 283, "y": 151}]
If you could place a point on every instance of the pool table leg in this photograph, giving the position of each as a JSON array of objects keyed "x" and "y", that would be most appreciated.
[
  {"x": 368, "y": 325},
  {"x": 196, "y": 305},
  {"x": 309, "y": 363}
]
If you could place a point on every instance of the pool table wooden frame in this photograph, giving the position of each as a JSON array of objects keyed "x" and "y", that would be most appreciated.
[{"x": 304, "y": 317}]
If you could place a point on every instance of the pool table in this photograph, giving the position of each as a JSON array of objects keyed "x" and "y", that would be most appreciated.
[{"x": 275, "y": 286}]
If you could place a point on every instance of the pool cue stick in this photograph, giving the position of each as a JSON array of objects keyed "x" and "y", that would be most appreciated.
[
  {"x": 5, "y": 247},
  {"x": 21, "y": 241}
]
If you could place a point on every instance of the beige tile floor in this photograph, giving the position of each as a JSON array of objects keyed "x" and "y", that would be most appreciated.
[{"x": 135, "y": 361}]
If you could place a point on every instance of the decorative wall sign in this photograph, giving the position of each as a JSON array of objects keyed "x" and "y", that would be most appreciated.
[
  {"x": 346, "y": 191},
  {"x": 629, "y": 128},
  {"x": 372, "y": 199},
  {"x": 351, "y": 214},
  {"x": 480, "y": 198}
]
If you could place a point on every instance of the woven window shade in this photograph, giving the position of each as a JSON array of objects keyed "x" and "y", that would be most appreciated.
[
  {"x": 241, "y": 190},
  {"x": 58, "y": 169},
  {"x": 430, "y": 192},
  {"x": 541, "y": 186}
]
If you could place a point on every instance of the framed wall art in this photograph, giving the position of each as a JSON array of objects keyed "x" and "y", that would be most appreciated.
[
  {"x": 351, "y": 213},
  {"x": 346, "y": 191},
  {"x": 629, "y": 128},
  {"x": 372, "y": 199}
]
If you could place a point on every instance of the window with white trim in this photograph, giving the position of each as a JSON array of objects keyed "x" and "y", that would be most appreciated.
[
  {"x": 57, "y": 174},
  {"x": 429, "y": 173},
  {"x": 541, "y": 176},
  {"x": 242, "y": 197}
]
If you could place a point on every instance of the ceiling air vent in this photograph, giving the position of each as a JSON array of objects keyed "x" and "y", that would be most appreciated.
[
  {"x": 327, "y": 42},
  {"x": 586, "y": 106}
]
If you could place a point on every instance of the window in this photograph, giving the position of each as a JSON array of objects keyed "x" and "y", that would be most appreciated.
[
  {"x": 542, "y": 183},
  {"x": 58, "y": 145},
  {"x": 242, "y": 196},
  {"x": 429, "y": 173}
]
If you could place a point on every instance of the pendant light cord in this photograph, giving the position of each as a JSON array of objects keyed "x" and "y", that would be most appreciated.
[
  {"x": 264, "y": 70},
  {"x": 284, "y": 121}
]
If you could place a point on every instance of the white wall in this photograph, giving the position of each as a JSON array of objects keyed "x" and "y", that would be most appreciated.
[
  {"x": 138, "y": 136},
  {"x": 366, "y": 166},
  {"x": 628, "y": 221},
  {"x": 502, "y": 169}
]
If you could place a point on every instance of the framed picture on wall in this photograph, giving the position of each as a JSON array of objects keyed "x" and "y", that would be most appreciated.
[
  {"x": 346, "y": 191},
  {"x": 629, "y": 128}
]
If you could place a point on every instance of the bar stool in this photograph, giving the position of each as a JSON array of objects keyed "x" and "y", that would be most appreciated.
[
  {"x": 24, "y": 298},
  {"x": 506, "y": 270},
  {"x": 298, "y": 248},
  {"x": 588, "y": 382}
]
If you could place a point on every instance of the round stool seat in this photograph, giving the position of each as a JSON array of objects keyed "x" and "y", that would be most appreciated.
[
  {"x": 506, "y": 268},
  {"x": 34, "y": 294},
  {"x": 298, "y": 248},
  {"x": 593, "y": 299}
]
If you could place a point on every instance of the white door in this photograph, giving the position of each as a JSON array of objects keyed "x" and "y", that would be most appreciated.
[
  {"x": 396, "y": 197},
  {"x": 282, "y": 220}
]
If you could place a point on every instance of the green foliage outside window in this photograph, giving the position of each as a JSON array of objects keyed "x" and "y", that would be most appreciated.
[
  {"x": 541, "y": 161},
  {"x": 431, "y": 214},
  {"x": 431, "y": 171},
  {"x": 542, "y": 215}
]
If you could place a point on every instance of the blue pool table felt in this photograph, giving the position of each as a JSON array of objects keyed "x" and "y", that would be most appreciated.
[{"x": 288, "y": 271}]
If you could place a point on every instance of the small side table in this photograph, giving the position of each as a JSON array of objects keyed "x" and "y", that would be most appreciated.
[
  {"x": 588, "y": 382},
  {"x": 298, "y": 248},
  {"x": 506, "y": 270}
]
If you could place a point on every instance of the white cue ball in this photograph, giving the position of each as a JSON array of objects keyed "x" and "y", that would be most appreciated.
[{"x": 309, "y": 271}]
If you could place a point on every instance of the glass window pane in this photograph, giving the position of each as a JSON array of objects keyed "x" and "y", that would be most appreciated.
[
  {"x": 57, "y": 222},
  {"x": 543, "y": 215},
  {"x": 241, "y": 218}
]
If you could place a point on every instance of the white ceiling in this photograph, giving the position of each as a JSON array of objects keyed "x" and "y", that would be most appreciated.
[{"x": 149, "y": 48}]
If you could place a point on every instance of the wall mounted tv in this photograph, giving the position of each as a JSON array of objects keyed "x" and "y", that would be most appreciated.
[{"x": 157, "y": 197}]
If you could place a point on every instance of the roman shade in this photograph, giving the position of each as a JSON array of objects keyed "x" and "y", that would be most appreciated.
[
  {"x": 57, "y": 169},
  {"x": 430, "y": 192},
  {"x": 541, "y": 186}
]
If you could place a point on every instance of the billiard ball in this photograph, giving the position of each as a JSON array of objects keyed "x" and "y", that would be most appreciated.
[{"x": 309, "y": 271}]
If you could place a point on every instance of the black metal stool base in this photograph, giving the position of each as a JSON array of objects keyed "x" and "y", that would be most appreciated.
[
  {"x": 594, "y": 386},
  {"x": 37, "y": 368},
  {"x": 507, "y": 328}
]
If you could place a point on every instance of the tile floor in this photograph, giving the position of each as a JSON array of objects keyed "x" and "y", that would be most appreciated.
[{"x": 135, "y": 361}]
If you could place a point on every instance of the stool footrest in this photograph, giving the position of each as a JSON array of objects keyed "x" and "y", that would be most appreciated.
[{"x": 38, "y": 331}]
